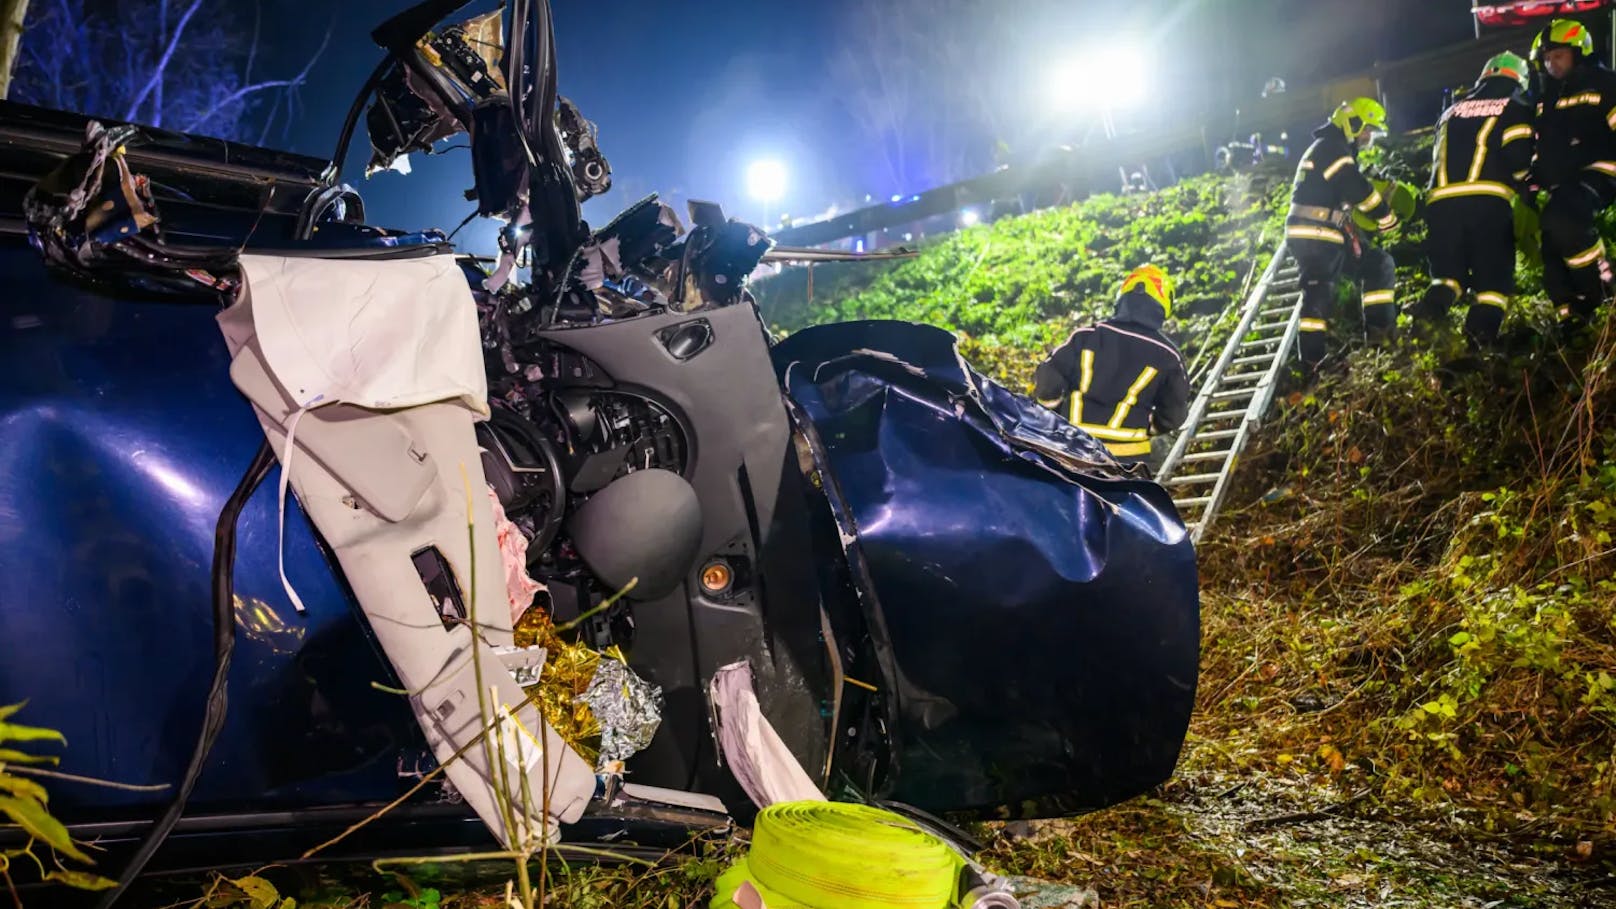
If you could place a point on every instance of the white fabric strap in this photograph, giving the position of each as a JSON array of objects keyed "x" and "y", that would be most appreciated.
[{"x": 286, "y": 480}]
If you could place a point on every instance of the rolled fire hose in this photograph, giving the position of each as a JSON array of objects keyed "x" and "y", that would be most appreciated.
[{"x": 838, "y": 855}]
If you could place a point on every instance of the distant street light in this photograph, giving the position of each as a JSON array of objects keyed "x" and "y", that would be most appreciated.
[
  {"x": 766, "y": 182},
  {"x": 969, "y": 218},
  {"x": 1100, "y": 82}
]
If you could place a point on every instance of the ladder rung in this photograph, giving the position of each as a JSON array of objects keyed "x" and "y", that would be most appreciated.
[
  {"x": 1260, "y": 342},
  {"x": 1214, "y": 435},
  {"x": 1206, "y": 455},
  {"x": 1192, "y": 479},
  {"x": 1243, "y": 376},
  {"x": 1259, "y": 358},
  {"x": 1237, "y": 393},
  {"x": 1269, "y": 325},
  {"x": 1191, "y": 503},
  {"x": 1222, "y": 414}
]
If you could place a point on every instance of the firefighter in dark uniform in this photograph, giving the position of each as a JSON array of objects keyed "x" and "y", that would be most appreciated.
[
  {"x": 1121, "y": 380},
  {"x": 1480, "y": 161},
  {"x": 1576, "y": 163},
  {"x": 1322, "y": 236}
]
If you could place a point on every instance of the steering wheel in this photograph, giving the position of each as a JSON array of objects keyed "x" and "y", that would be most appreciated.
[{"x": 521, "y": 465}]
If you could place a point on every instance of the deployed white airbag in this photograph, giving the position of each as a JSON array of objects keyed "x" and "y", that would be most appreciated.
[
  {"x": 384, "y": 484},
  {"x": 380, "y": 334}
]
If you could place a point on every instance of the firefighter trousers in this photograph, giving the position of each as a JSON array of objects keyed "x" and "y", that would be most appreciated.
[
  {"x": 1572, "y": 250},
  {"x": 1470, "y": 247},
  {"x": 1320, "y": 264}
]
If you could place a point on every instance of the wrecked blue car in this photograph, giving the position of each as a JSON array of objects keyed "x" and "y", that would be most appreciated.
[{"x": 219, "y": 574}]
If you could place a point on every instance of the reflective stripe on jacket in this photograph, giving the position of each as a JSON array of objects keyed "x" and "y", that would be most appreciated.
[
  {"x": 1119, "y": 381},
  {"x": 1328, "y": 178},
  {"x": 1483, "y": 144}
]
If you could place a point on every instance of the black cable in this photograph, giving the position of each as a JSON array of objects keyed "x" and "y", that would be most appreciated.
[
  {"x": 224, "y": 644},
  {"x": 351, "y": 122},
  {"x": 452, "y": 233}
]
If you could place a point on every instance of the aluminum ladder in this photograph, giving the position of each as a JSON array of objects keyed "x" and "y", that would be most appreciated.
[{"x": 1235, "y": 395}]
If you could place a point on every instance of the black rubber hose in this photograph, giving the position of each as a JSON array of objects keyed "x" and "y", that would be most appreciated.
[
  {"x": 224, "y": 644},
  {"x": 350, "y": 123}
]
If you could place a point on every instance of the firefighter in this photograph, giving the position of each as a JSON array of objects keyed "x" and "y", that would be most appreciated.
[
  {"x": 1322, "y": 236},
  {"x": 1121, "y": 380},
  {"x": 1576, "y": 163},
  {"x": 1480, "y": 161}
]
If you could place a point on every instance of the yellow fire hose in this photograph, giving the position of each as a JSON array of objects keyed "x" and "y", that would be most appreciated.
[{"x": 836, "y": 855}]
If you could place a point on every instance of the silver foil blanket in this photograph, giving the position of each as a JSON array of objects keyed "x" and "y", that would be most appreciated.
[{"x": 628, "y": 709}]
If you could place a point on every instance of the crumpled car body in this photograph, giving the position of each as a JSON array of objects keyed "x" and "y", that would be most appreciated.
[
  {"x": 947, "y": 597},
  {"x": 1037, "y": 631}
]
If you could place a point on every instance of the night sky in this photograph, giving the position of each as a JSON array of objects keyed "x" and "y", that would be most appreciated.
[{"x": 686, "y": 94}]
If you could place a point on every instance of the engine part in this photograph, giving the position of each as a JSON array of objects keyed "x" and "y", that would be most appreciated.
[
  {"x": 644, "y": 232},
  {"x": 591, "y": 175},
  {"x": 649, "y": 433},
  {"x": 717, "y": 257},
  {"x": 644, "y": 526},
  {"x": 498, "y": 161},
  {"x": 402, "y": 119},
  {"x": 445, "y": 74},
  {"x": 93, "y": 215}
]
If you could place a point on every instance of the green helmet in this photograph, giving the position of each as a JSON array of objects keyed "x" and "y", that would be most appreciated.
[
  {"x": 1506, "y": 65},
  {"x": 1358, "y": 115},
  {"x": 1563, "y": 33}
]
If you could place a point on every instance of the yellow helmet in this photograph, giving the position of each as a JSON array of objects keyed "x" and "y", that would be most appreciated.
[
  {"x": 1358, "y": 115},
  {"x": 1154, "y": 282},
  {"x": 1563, "y": 33}
]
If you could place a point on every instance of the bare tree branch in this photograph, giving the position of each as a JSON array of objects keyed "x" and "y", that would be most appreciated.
[
  {"x": 923, "y": 79},
  {"x": 157, "y": 95},
  {"x": 140, "y": 60},
  {"x": 252, "y": 49},
  {"x": 162, "y": 63},
  {"x": 248, "y": 90}
]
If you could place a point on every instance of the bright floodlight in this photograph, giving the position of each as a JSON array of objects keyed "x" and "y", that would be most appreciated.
[
  {"x": 969, "y": 217},
  {"x": 766, "y": 180},
  {"x": 1110, "y": 78}
]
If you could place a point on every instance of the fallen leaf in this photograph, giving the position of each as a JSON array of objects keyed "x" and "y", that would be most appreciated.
[
  {"x": 1584, "y": 850},
  {"x": 1355, "y": 456},
  {"x": 35, "y": 821},
  {"x": 262, "y": 893},
  {"x": 1331, "y": 756},
  {"x": 82, "y": 880}
]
